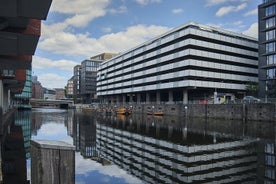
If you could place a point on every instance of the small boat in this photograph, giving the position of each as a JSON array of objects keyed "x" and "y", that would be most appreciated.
[
  {"x": 123, "y": 111},
  {"x": 157, "y": 113}
]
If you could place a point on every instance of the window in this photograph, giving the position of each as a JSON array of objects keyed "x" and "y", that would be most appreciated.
[
  {"x": 270, "y": 10},
  {"x": 269, "y": 148},
  {"x": 270, "y": 22},
  {"x": 270, "y": 47},
  {"x": 271, "y": 73},
  {"x": 271, "y": 59},
  {"x": 270, "y": 35}
]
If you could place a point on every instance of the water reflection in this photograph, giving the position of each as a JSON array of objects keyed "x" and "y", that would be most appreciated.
[{"x": 148, "y": 149}]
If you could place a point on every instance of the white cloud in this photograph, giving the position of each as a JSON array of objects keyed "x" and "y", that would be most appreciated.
[
  {"x": 228, "y": 9},
  {"x": 121, "y": 9},
  {"x": 252, "y": 12},
  {"x": 145, "y": 2},
  {"x": 83, "y": 45},
  {"x": 78, "y": 6},
  {"x": 107, "y": 29},
  {"x": 45, "y": 63},
  {"x": 79, "y": 12},
  {"x": 252, "y": 30},
  {"x": 217, "y": 2},
  {"x": 177, "y": 11},
  {"x": 84, "y": 166},
  {"x": 51, "y": 80}
]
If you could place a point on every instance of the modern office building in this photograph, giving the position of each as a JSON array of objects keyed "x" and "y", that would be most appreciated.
[
  {"x": 22, "y": 100},
  {"x": 88, "y": 80},
  {"x": 19, "y": 36},
  {"x": 85, "y": 78},
  {"x": 267, "y": 49},
  {"x": 188, "y": 64}
]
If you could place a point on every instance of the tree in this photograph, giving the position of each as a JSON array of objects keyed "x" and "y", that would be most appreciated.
[{"x": 252, "y": 88}]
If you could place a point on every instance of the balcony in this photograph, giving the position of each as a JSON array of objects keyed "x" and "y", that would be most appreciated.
[
  {"x": 36, "y": 9},
  {"x": 20, "y": 41},
  {"x": 14, "y": 80},
  {"x": 16, "y": 62}
]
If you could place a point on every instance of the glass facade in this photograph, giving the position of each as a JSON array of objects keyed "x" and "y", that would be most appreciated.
[
  {"x": 23, "y": 99},
  {"x": 267, "y": 50}
]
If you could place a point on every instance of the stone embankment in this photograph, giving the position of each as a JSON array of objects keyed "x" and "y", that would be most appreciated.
[{"x": 245, "y": 112}]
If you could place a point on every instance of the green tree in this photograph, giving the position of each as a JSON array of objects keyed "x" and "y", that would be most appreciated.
[{"x": 252, "y": 88}]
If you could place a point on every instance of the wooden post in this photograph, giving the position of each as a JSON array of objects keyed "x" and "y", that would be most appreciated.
[{"x": 52, "y": 162}]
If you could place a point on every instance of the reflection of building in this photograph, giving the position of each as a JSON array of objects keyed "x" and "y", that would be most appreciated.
[
  {"x": 151, "y": 153},
  {"x": 85, "y": 136},
  {"x": 13, "y": 157},
  {"x": 267, "y": 49},
  {"x": 188, "y": 63},
  {"x": 23, "y": 119},
  {"x": 266, "y": 162}
]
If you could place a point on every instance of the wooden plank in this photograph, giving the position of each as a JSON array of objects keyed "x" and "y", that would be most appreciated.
[{"x": 52, "y": 162}]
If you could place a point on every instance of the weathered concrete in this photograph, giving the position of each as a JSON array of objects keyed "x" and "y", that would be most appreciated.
[
  {"x": 52, "y": 162},
  {"x": 245, "y": 112}
]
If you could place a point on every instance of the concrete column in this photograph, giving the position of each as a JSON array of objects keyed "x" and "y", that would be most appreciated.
[
  {"x": 130, "y": 98},
  {"x": 117, "y": 99},
  {"x": 170, "y": 96},
  {"x": 185, "y": 96},
  {"x": 138, "y": 98},
  {"x": 1, "y": 93},
  {"x": 6, "y": 96},
  {"x": 147, "y": 97},
  {"x": 111, "y": 100},
  {"x": 158, "y": 99},
  {"x": 52, "y": 162},
  {"x": 124, "y": 98}
]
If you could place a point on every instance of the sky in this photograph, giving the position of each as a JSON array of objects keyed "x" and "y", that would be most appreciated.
[{"x": 76, "y": 30}]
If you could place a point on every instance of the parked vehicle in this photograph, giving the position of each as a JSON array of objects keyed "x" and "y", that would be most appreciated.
[{"x": 250, "y": 99}]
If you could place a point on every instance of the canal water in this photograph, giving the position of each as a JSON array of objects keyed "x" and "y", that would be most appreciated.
[{"x": 146, "y": 149}]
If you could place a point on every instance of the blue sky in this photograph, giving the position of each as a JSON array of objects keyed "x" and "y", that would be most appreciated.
[{"x": 78, "y": 29}]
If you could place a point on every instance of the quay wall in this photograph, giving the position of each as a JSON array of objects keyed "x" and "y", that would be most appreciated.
[{"x": 250, "y": 112}]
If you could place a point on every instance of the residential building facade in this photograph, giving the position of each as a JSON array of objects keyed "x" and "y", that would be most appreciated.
[
  {"x": 190, "y": 64},
  {"x": 70, "y": 88},
  {"x": 60, "y": 93},
  {"x": 267, "y": 49},
  {"x": 37, "y": 89},
  {"x": 76, "y": 83}
]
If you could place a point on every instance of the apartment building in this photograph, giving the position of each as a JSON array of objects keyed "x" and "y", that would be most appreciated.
[
  {"x": 191, "y": 63},
  {"x": 267, "y": 49}
]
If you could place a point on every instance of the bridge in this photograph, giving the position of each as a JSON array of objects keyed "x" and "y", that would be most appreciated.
[{"x": 63, "y": 104}]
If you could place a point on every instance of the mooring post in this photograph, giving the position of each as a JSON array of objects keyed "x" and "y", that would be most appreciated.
[{"x": 52, "y": 162}]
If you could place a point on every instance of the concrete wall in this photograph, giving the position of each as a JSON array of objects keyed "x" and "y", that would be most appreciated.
[{"x": 254, "y": 112}]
